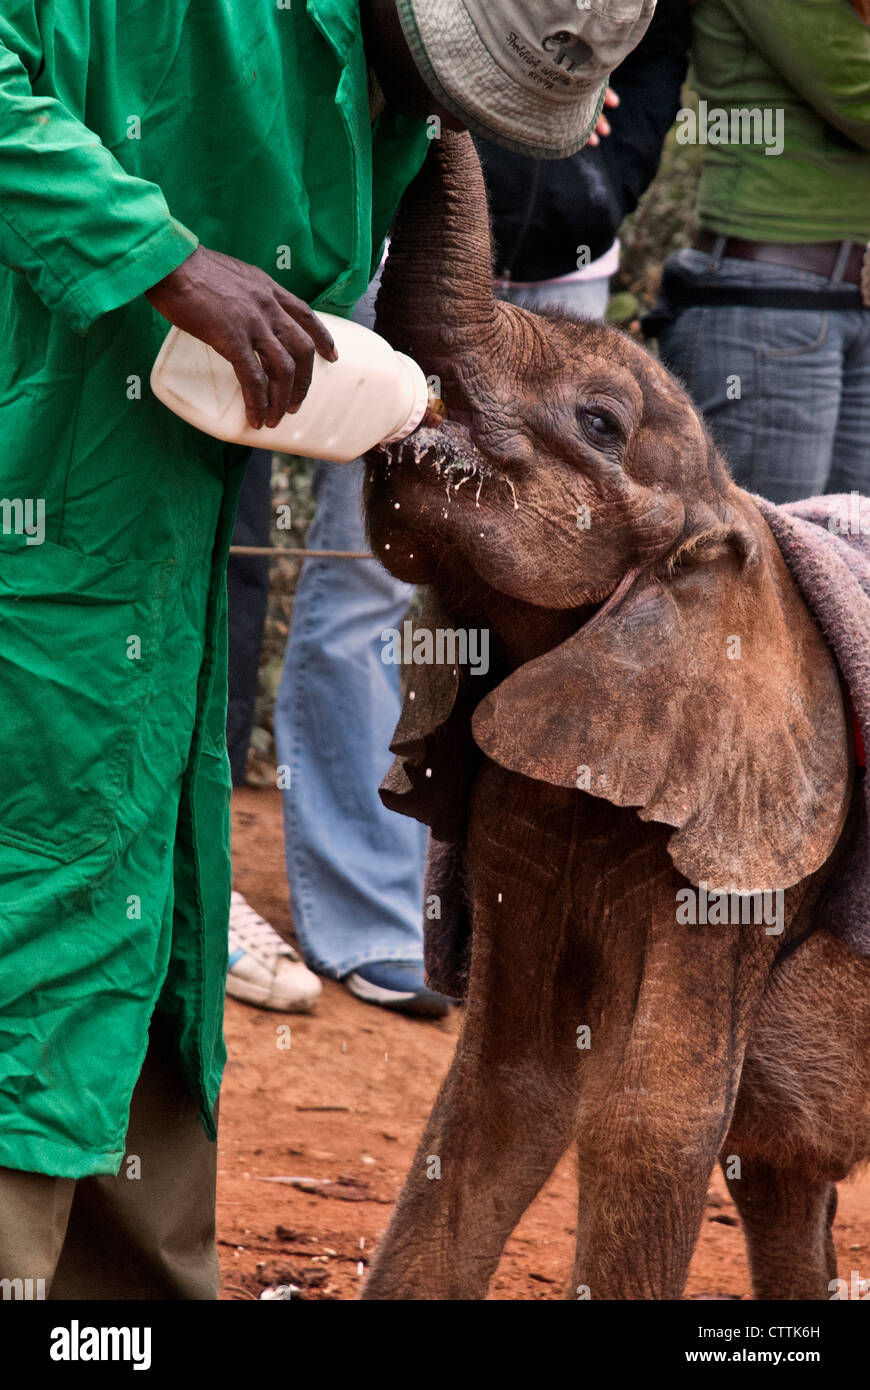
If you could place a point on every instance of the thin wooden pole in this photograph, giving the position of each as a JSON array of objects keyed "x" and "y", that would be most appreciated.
[{"x": 275, "y": 552}]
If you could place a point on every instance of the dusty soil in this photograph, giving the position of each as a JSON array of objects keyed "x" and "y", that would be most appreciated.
[{"x": 344, "y": 1105}]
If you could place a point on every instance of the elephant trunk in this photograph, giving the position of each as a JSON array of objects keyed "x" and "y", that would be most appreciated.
[{"x": 436, "y": 301}]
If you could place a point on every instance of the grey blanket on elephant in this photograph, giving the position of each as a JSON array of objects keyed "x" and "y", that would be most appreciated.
[{"x": 825, "y": 542}]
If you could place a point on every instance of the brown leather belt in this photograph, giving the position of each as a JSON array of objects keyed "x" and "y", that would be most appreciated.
[{"x": 818, "y": 256}]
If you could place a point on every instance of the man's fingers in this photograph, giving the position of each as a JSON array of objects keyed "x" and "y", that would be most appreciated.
[
  {"x": 301, "y": 348},
  {"x": 269, "y": 336},
  {"x": 300, "y": 313},
  {"x": 277, "y": 407},
  {"x": 281, "y": 369},
  {"x": 254, "y": 384}
]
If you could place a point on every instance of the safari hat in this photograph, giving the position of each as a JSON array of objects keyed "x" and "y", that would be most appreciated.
[{"x": 528, "y": 74}]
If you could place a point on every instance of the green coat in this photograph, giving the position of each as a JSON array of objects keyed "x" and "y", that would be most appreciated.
[{"x": 128, "y": 131}]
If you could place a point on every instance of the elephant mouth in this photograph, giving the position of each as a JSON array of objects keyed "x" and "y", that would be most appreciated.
[
  {"x": 447, "y": 457},
  {"x": 446, "y": 460}
]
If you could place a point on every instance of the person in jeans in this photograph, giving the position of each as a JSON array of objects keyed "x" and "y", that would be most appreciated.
[
  {"x": 763, "y": 317},
  {"x": 263, "y": 968},
  {"x": 354, "y": 869}
]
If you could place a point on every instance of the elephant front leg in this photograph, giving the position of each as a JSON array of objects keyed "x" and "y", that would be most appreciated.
[
  {"x": 640, "y": 1212},
  {"x": 659, "y": 1090},
  {"x": 497, "y": 1131}
]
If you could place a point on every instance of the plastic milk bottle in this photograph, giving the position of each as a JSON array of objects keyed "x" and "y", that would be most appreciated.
[{"x": 371, "y": 395}]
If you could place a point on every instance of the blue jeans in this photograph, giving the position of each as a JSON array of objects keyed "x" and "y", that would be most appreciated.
[
  {"x": 355, "y": 869},
  {"x": 801, "y": 424}
]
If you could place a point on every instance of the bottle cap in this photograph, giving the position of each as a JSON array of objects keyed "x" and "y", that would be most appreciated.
[{"x": 418, "y": 396}]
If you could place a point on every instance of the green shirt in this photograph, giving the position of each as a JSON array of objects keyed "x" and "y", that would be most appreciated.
[
  {"x": 809, "y": 59},
  {"x": 128, "y": 132}
]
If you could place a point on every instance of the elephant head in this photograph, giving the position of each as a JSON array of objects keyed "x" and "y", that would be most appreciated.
[{"x": 649, "y": 646}]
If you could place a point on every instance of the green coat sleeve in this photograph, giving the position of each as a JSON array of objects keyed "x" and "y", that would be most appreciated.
[
  {"x": 87, "y": 235},
  {"x": 822, "y": 51}
]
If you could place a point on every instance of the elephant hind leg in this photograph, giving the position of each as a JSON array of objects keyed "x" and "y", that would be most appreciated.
[
  {"x": 830, "y": 1250},
  {"x": 788, "y": 1219}
]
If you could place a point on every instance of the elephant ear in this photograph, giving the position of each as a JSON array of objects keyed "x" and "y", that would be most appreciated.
[
  {"x": 435, "y": 752},
  {"x": 706, "y": 697}
]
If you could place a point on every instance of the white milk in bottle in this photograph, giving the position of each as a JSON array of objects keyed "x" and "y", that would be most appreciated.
[{"x": 371, "y": 395}]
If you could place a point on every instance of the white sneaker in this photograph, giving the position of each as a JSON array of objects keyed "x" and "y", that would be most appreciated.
[{"x": 263, "y": 969}]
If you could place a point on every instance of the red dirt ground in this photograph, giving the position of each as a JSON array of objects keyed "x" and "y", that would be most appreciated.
[{"x": 347, "y": 1102}]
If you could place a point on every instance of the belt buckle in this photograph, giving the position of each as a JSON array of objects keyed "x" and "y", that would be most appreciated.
[{"x": 865, "y": 278}]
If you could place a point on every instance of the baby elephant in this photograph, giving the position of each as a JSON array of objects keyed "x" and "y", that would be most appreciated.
[{"x": 635, "y": 809}]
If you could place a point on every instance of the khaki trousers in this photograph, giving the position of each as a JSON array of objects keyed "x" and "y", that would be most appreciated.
[{"x": 150, "y": 1236}]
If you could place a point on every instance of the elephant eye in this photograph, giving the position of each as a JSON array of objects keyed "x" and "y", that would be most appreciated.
[{"x": 599, "y": 426}]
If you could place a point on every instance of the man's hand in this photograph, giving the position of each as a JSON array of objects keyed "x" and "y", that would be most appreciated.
[
  {"x": 602, "y": 125},
  {"x": 268, "y": 335}
]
